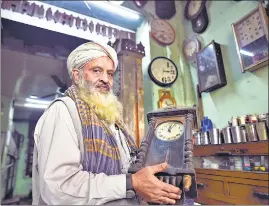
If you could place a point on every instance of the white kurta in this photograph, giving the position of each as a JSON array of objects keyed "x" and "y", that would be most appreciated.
[{"x": 62, "y": 180}]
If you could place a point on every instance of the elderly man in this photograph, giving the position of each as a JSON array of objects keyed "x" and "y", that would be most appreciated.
[{"x": 83, "y": 149}]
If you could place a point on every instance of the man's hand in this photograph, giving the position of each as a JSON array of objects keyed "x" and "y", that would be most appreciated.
[{"x": 151, "y": 189}]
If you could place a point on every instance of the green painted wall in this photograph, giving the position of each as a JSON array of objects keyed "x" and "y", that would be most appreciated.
[
  {"x": 182, "y": 89},
  {"x": 245, "y": 92}
]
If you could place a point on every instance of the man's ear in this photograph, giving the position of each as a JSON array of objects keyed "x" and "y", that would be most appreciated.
[{"x": 75, "y": 75}]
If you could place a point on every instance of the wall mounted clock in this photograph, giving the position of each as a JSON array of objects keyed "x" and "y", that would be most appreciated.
[
  {"x": 191, "y": 46},
  {"x": 162, "y": 32},
  {"x": 169, "y": 138},
  {"x": 193, "y": 8},
  {"x": 251, "y": 38},
  {"x": 210, "y": 68},
  {"x": 140, "y": 3},
  {"x": 165, "y": 9},
  {"x": 199, "y": 25},
  {"x": 165, "y": 99},
  {"x": 163, "y": 71}
]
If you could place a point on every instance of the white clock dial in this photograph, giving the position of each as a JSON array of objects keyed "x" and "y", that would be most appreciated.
[
  {"x": 190, "y": 48},
  {"x": 169, "y": 131},
  {"x": 194, "y": 7},
  {"x": 250, "y": 29},
  {"x": 164, "y": 71},
  {"x": 162, "y": 31},
  {"x": 167, "y": 102}
]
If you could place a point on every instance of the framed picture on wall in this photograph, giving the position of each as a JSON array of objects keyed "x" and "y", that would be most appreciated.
[{"x": 251, "y": 38}]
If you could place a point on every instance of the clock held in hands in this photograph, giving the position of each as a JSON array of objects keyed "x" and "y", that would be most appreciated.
[{"x": 163, "y": 71}]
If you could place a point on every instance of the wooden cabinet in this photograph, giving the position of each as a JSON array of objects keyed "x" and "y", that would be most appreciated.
[{"x": 220, "y": 187}]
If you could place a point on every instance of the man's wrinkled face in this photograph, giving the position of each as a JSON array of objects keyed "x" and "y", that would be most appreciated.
[{"x": 98, "y": 73}]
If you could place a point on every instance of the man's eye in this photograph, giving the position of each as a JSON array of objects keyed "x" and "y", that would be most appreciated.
[
  {"x": 111, "y": 74},
  {"x": 97, "y": 71}
]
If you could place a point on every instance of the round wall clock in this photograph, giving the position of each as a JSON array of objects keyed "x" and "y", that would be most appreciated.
[
  {"x": 191, "y": 45},
  {"x": 193, "y": 8},
  {"x": 162, "y": 32},
  {"x": 163, "y": 71},
  {"x": 200, "y": 24}
]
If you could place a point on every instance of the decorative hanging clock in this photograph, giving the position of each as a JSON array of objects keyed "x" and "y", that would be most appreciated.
[
  {"x": 166, "y": 99},
  {"x": 163, "y": 71},
  {"x": 193, "y": 8},
  {"x": 165, "y": 9},
  {"x": 199, "y": 25},
  {"x": 210, "y": 68},
  {"x": 191, "y": 46},
  {"x": 169, "y": 139},
  {"x": 251, "y": 37},
  {"x": 162, "y": 32},
  {"x": 140, "y": 3}
]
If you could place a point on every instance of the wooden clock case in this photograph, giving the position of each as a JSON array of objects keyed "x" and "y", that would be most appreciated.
[{"x": 154, "y": 151}]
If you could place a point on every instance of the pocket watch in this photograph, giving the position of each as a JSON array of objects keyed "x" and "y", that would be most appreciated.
[
  {"x": 191, "y": 46},
  {"x": 162, "y": 32},
  {"x": 163, "y": 71},
  {"x": 193, "y": 8}
]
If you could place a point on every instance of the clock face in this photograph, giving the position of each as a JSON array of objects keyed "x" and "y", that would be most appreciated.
[
  {"x": 167, "y": 102},
  {"x": 169, "y": 131},
  {"x": 194, "y": 7},
  {"x": 191, "y": 45},
  {"x": 162, "y": 32},
  {"x": 163, "y": 71},
  {"x": 250, "y": 29}
]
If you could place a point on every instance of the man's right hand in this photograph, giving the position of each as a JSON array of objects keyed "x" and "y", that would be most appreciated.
[{"x": 151, "y": 189}]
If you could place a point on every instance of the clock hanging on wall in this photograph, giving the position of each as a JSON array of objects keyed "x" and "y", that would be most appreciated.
[
  {"x": 251, "y": 37},
  {"x": 163, "y": 71},
  {"x": 210, "y": 68},
  {"x": 162, "y": 32},
  {"x": 195, "y": 11},
  {"x": 191, "y": 46}
]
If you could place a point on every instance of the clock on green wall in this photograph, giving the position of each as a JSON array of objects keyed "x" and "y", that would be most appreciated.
[{"x": 163, "y": 71}]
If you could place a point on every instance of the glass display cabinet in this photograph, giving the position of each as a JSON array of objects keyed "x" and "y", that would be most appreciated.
[{"x": 232, "y": 173}]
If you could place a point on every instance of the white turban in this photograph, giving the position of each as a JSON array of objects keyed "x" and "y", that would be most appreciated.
[{"x": 87, "y": 52}]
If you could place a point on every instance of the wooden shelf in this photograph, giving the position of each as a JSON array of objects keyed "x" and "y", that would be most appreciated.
[
  {"x": 232, "y": 173},
  {"x": 247, "y": 148}
]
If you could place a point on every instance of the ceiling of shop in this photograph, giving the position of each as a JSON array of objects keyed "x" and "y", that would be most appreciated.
[{"x": 95, "y": 12}]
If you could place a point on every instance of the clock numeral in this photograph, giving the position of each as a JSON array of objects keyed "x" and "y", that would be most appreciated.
[
  {"x": 167, "y": 64},
  {"x": 166, "y": 79}
]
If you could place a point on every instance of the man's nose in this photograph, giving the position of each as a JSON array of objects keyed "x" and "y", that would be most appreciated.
[{"x": 104, "y": 77}]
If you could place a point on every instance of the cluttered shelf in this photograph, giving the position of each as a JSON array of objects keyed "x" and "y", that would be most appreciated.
[{"x": 245, "y": 148}]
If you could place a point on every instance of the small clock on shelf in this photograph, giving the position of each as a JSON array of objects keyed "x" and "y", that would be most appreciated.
[
  {"x": 162, "y": 32},
  {"x": 163, "y": 71},
  {"x": 210, "y": 68},
  {"x": 165, "y": 99},
  {"x": 191, "y": 46},
  {"x": 251, "y": 37}
]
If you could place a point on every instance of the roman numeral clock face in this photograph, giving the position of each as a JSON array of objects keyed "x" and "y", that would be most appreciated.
[{"x": 163, "y": 71}]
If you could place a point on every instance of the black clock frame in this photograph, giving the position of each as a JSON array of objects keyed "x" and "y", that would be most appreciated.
[
  {"x": 157, "y": 81},
  {"x": 219, "y": 68},
  {"x": 203, "y": 17},
  {"x": 174, "y": 174},
  {"x": 186, "y": 13}
]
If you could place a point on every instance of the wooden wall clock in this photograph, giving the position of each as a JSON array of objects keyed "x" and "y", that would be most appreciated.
[
  {"x": 166, "y": 99},
  {"x": 191, "y": 46},
  {"x": 251, "y": 38},
  {"x": 169, "y": 138},
  {"x": 163, "y": 71},
  {"x": 165, "y": 9},
  {"x": 162, "y": 32},
  {"x": 195, "y": 11},
  {"x": 210, "y": 68}
]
